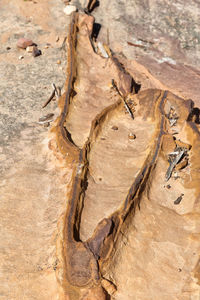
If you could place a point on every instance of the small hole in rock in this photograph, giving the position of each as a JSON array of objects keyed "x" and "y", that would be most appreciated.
[
  {"x": 114, "y": 127},
  {"x": 132, "y": 136}
]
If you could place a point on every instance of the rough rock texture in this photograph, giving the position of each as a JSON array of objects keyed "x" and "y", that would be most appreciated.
[
  {"x": 31, "y": 186},
  {"x": 123, "y": 184},
  {"x": 131, "y": 226},
  {"x": 161, "y": 35}
]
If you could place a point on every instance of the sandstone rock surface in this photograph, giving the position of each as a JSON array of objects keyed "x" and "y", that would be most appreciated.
[
  {"x": 162, "y": 36},
  {"x": 130, "y": 213},
  {"x": 31, "y": 186},
  {"x": 108, "y": 207}
]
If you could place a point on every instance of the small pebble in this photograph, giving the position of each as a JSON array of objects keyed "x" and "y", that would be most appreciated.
[
  {"x": 168, "y": 186},
  {"x": 114, "y": 127},
  {"x": 24, "y": 43},
  {"x": 46, "y": 47},
  {"x": 69, "y": 9},
  {"x": 57, "y": 39},
  {"x": 21, "y": 57},
  {"x": 36, "y": 52},
  {"x": 58, "y": 62},
  {"x": 176, "y": 175},
  {"x": 132, "y": 136},
  {"x": 29, "y": 49}
]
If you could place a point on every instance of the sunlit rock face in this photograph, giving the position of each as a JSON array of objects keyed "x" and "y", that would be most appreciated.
[
  {"x": 161, "y": 35},
  {"x": 131, "y": 223},
  {"x": 108, "y": 206}
]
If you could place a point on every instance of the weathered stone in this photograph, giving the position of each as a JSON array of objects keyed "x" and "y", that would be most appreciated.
[
  {"x": 168, "y": 34},
  {"x": 36, "y": 52},
  {"x": 127, "y": 220},
  {"x": 24, "y": 43},
  {"x": 29, "y": 49},
  {"x": 126, "y": 232},
  {"x": 69, "y": 9}
]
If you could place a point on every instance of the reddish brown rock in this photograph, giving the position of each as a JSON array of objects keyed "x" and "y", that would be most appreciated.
[{"x": 24, "y": 43}]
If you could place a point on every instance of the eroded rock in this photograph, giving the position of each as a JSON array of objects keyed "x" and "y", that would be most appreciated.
[
  {"x": 127, "y": 232},
  {"x": 122, "y": 225}
]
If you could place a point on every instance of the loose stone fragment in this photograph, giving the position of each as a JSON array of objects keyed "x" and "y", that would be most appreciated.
[
  {"x": 21, "y": 57},
  {"x": 24, "y": 43},
  {"x": 69, "y": 9},
  {"x": 36, "y": 52},
  {"x": 176, "y": 176},
  {"x": 29, "y": 49},
  {"x": 58, "y": 62}
]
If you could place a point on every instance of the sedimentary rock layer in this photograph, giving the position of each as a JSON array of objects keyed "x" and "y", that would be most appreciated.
[{"x": 132, "y": 205}]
